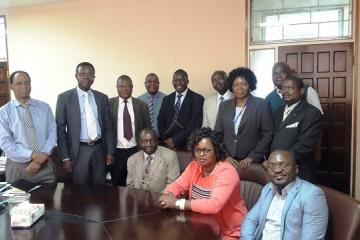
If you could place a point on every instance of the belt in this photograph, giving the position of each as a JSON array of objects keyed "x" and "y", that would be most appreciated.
[{"x": 91, "y": 143}]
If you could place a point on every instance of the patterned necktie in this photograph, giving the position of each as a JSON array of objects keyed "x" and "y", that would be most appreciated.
[
  {"x": 222, "y": 99},
  {"x": 90, "y": 118},
  {"x": 177, "y": 107},
  {"x": 147, "y": 163},
  {"x": 151, "y": 110},
  {"x": 30, "y": 133},
  {"x": 127, "y": 123}
]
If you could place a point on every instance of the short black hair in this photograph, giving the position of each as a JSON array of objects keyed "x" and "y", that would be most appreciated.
[
  {"x": 12, "y": 75},
  {"x": 221, "y": 73},
  {"x": 84, "y": 64},
  {"x": 246, "y": 74},
  {"x": 151, "y": 75},
  {"x": 181, "y": 72},
  {"x": 125, "y": 78},
  {"x": 216, "y": 140},
  {"x": 298, "y": 81}
]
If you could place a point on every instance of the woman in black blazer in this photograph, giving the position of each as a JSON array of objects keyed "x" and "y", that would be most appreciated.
[{"x": 245, "y": 121}]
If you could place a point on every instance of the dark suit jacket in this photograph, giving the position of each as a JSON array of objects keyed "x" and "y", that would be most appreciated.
[
  {"x": 141, "y": 115},
  {"x": 190, "y": 116},
  {"x": 298, "y": 134},
  {"x": 68, "y": 122},
  {"x": 255, "y": 130}
]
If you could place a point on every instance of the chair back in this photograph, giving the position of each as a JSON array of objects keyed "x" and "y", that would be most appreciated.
[
  {"x": 184, "y": 158},
  {"x": 252, "y": 180},
  {"x": 344, "y": 216}
]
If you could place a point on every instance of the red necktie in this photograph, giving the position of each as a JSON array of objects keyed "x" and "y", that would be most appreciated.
[{"x": 127, "y": 123}]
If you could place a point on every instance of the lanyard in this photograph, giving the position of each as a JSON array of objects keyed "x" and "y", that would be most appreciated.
[{"x": 239, "y": 115}]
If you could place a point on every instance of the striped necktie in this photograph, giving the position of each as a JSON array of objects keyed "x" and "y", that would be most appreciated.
[
  {"x": 30, "y": 133},
  {"x": 177, "y": 107},
  {"x": 151, "y": 109}
]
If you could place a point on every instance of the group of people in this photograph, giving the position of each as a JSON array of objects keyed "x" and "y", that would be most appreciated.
[{"x": 123, "y": 134}]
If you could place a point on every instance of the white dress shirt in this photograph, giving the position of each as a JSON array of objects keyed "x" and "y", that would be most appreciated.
[
  {"x": 182, "y": 97},
  {"x": 122, "y": 142}
]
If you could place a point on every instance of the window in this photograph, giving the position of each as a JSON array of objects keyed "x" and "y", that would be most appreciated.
[
  {"x": 286, "y": 20},
  {"x": 3, "y": 49}
]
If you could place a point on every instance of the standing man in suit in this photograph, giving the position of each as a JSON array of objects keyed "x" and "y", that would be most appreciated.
[
  {"x": 153, "y": 97},
  {"x": 211, "y": 104},
  {"x": 27, "y": 134},
  {"x": 297, "y": 126},
  {"x": 280, "y": 72},
  {"x": 288, "y": 208},
  {"x": 129, "y": 116},
  {"x": 85, "y": 140},
  {"x": 182, "y": 106},
  {"x": 153, "y": 167}
]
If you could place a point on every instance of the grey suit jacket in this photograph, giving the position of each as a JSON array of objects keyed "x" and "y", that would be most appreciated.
[
  {"x": 141, "y": 115},
  {"x": 255, "y": 130},
  {"x": 164, "y": 169},
  {"x": 68, "y": 121}
]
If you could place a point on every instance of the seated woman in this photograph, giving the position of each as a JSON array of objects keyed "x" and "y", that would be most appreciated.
[
  {"x": 213, "y": 184},
  {"x": 246, "y": 121}
]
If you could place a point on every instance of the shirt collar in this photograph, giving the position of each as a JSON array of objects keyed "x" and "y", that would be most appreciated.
[
  {"x": 16, "y": 103},
  {"x": 129, "y": 100},
  {"x": 81, "y": 92},
  {"x": 284, "y": 191},
  {"x": 183, "y": 93},
  {"x": 226, "y": 95},
  {"x": 290, "y": 108},
  {"x": 156, "y": 95},
  {"x": 146, "y": 155}
]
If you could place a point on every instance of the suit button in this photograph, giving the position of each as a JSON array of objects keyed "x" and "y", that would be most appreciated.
[{"x": 235, "y": 141}]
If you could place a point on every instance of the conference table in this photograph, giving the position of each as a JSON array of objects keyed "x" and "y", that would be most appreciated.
[{"x": 108, "y": 212}]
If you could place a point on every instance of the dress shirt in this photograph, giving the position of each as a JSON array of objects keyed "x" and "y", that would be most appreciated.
[
  {"x": 182, "y": 97},
  {"x": 227, "y": 95},
  {"x": 288, "y": 109},
  {"x": 157, "y": 100},
  {"x": 84, "y": 130},
  {"x": 122, "y": 142},
  {"x": 272, "y": 229},
  {"x": 12, "y": 132}
]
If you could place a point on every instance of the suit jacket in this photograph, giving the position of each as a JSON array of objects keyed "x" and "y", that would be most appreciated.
[
  {"x": 190, "y": 116},
  {"x": 68, "y": 122},
  {"x": 255, "y": 130},
  {"x": 164, "y": 169},
  {"x": 210, "y": 111},
  {"x": 141, "y": 115},
  {"x": 304, "y": 216},
  {"x": 298, "y": 134}
]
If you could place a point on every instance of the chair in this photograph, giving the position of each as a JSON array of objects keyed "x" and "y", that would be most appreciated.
[
  {"x": 184, "y": 158},
  {"x": 252, "y": 180},
  {"x": 344, "y": 216}
]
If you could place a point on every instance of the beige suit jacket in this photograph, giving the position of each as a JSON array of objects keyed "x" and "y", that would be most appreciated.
[{"x": 164, "y": 169}]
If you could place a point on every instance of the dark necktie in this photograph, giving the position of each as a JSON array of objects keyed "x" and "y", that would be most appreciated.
[
  {"x": 177, "y": 107},
  {"x": 147, "y": 163},
  {"x": 127, "y": 123},
  {"x": 30, "y": 133},
  {"x": 151, "y": 110}
]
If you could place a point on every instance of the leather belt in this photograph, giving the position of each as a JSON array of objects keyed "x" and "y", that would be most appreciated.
[{"x": 91, "y": 143}]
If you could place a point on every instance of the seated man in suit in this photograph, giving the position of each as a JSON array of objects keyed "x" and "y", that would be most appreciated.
[
  {"x": 297, "y": 126},
  {"x": 153, "y": 97},
  {"x": 211, "y": 104},
  {"x": 183, "y": 107},
  {"x": 153, "y": 167},
  {"x": 27, "y": 134},
  {"x": 288, "y": 208},
  {"x": 129, "y": 116},
  {"x": 281, "y": 71}
]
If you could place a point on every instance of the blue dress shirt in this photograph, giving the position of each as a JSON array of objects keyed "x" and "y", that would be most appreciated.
[{"x": 12, "y": 131}]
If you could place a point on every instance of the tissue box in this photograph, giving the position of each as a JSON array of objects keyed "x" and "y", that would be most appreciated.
[{"x": 26, "y": 214}]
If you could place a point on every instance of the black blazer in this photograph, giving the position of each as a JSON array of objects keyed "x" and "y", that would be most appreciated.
[
  {"x": 190, "y": 116},
  {"x": 255, "y": 130},
  {"x": 141, "y": 115},
  {"x": 298, "y": 133},
  {"x": 68, "y": 121}
]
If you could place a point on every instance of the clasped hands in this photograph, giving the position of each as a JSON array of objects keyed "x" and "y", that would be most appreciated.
[
  {"x": 167, "y": 200},
  {"x": 37, "y": 160}
]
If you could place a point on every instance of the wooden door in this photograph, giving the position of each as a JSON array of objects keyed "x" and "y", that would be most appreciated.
[
  {"x": 328, "y": 69},
  {"x": 4, "y": 84}
]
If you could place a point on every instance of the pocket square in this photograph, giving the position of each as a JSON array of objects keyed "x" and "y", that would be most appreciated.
[{"x": 294, "y": 125}]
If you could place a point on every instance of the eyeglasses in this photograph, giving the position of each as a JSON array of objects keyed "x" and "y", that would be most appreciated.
[
  {"x": 281, "y": 165},
  {"x": 204, "y": 151}
]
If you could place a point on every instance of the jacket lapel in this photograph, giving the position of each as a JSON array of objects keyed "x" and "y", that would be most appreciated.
[
  {"x": 155, "y": 163},
  {"x": 292, "y": 114},
  {"x": 98, "y": 106},
  {"x": 247, "y": 112},
  {"x": 74, "y": 100},
  {"x": 186, "y": 102}
]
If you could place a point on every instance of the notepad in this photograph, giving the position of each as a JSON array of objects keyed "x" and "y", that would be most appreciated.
[{"x": 25, "y": 185}]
